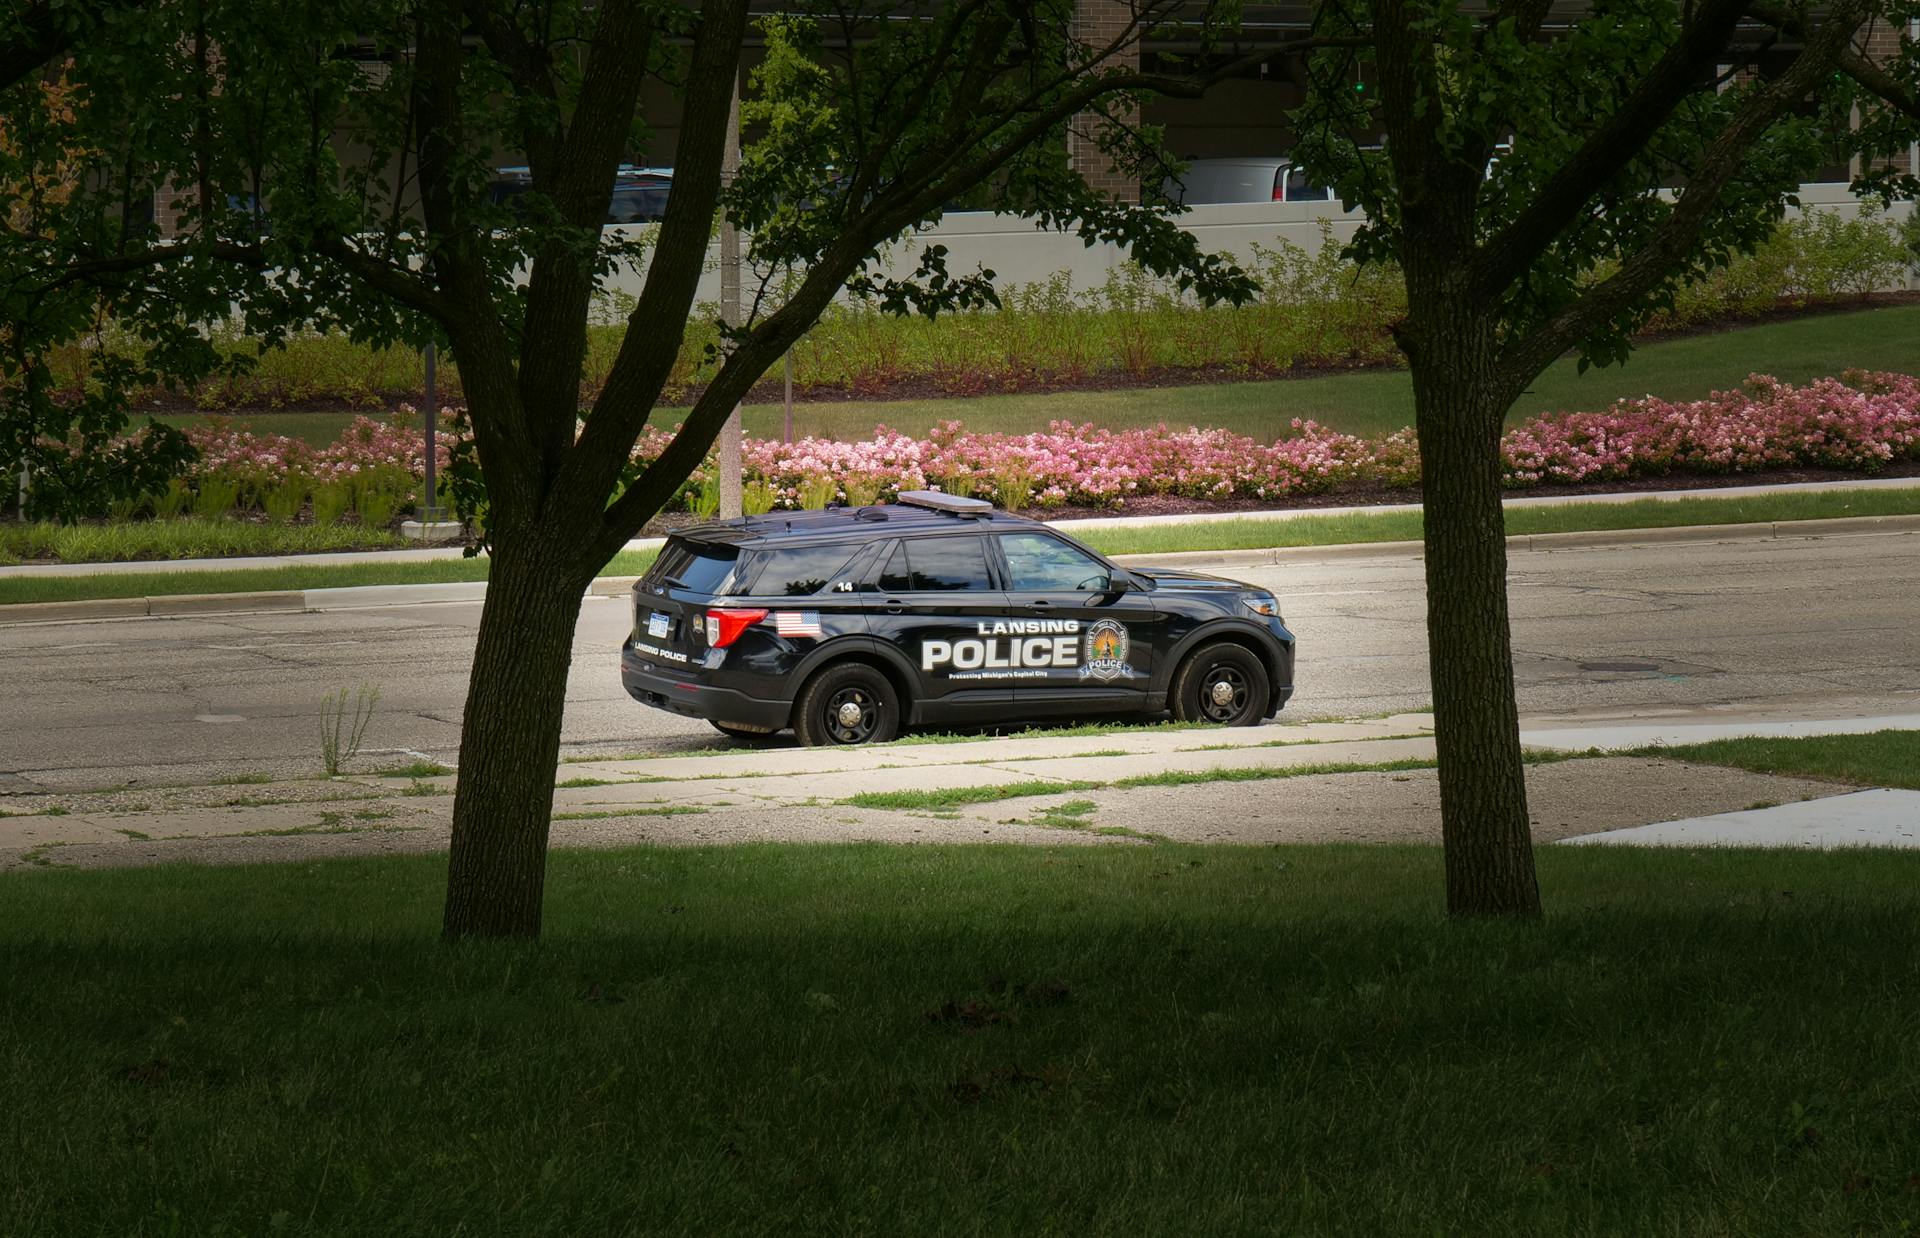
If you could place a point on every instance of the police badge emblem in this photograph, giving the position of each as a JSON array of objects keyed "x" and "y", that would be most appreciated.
[{"x": 1106, "y": 651}]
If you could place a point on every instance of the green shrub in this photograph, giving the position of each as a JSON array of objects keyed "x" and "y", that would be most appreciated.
[
  {"x": 758, "y": 498},
  {"x": 120, "y": 511},
  {"x": 704, "y": 502},
  {"x": 172, "y": 501},
  {"x": 1819, "y": 256},
  {"x": 1013, "y": 488},
  {"x": 285, "y": 500},
  {"x": 819, "y": 492},
  {"x": 216, "y": 497},
  {"x": 184, "y": 538},
  {"x": 379, "y": 501},
  {"x": 331, "y": 501},
  {"x": 1314, "y": 308}
]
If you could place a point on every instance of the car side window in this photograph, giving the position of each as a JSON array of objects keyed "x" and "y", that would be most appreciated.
[
  {"x": 894, "y": 578},
  {"x": 1037, "y": 563},
  {"x": 800, "y": 571},
  {"x": 946, "y": 564}
]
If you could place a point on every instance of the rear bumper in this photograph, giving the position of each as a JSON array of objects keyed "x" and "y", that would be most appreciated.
[{"x": 698, "y": 700}]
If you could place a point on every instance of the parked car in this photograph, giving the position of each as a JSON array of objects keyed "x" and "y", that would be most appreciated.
[
  {"x": 1244, "y": 180},
  {"x": 848, "y": 624},
  {"x": 639, "y": 194}
]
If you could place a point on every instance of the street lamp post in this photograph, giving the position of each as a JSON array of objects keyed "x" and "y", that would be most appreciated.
[{"x": 430, "y": 506}]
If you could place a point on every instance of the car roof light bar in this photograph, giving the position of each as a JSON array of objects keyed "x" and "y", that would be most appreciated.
[{"x": 952, "y": 504}]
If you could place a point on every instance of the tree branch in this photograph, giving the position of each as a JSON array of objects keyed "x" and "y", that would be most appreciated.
[
  {"x": 40, "y": 30},
  {"x": 658, "y": 322},
  {"x": 401, "y": 284},
  {"x": 1505, "y": 257},
  {"x": 1880, "y": 82},
  {"x": 1523, "y": 360}
]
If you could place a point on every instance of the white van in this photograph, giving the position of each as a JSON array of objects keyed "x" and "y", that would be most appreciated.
[{"x": 1244, "y": 180}]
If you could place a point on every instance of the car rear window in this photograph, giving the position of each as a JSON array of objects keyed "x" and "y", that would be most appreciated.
[
  {"x": 699, "y": 567},
  {"x": 797, "y": 572}
]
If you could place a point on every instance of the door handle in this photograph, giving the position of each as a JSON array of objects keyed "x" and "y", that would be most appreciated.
[
  {"x": 895, "y": 606},
  {"x": 1041, "y": 604}
]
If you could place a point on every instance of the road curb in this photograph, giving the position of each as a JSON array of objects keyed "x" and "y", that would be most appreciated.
[
  {"x": 1843, "y": 526},
  {"x": 358, "y": 597}
]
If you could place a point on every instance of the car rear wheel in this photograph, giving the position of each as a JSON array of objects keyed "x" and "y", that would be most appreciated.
[
  {"x": 1223, "y": 684},
  {"x": 847, "y": 704}
]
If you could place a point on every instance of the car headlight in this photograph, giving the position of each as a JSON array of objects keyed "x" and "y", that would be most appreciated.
[{"x": 1264, "y": 605}]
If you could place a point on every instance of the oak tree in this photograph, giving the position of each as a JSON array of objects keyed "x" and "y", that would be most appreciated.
[
  {"x": 1545, "y": 190},
  {"x": 366, "y": 135}
]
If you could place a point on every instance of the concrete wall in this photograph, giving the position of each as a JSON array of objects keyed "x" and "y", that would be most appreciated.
[{"x": 1019, "y": 253}]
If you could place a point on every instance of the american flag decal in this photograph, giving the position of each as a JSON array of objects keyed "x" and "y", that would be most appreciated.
[{"x": 797, "y": 622}]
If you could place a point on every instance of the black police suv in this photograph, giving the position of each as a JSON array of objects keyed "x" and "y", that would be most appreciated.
[{"x": 851, "y": 623}]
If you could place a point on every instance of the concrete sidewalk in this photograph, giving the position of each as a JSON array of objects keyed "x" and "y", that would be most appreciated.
[
  {"x": 1873, "y": 818},
  {"x": 1253, "y": 785}
]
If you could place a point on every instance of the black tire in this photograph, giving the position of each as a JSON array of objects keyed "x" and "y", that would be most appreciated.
[
  {"x": 851, "y": 703},
  {"x": 1221, "y": 683},
  {"x": 745, "y": 734}
]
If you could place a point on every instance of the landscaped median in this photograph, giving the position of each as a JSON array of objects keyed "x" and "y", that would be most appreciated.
[{"x": 1751, "y": 515}]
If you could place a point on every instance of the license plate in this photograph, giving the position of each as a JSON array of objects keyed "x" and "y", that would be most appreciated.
[{"x": 657, "y": 625}]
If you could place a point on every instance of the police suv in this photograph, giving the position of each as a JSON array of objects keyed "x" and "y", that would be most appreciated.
[{"x": 851, "y": 623}]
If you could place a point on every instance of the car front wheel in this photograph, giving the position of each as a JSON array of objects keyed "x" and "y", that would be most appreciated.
[
  {"x": 1222, "y": 683},
  {"x": 847, "y": 704}
]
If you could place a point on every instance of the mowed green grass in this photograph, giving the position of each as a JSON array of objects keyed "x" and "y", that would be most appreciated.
[
  {"x": 1369, "y": 403},
  {"x": 1876, "y": 759},
  {"x": 76, "y": 588},
  {"x": 1122, "y": 1039},
  {"x": 1254, "y": 534},
  {"x": 183, "y": 537}
]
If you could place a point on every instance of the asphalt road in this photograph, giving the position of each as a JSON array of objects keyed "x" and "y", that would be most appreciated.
[{"x": 1792, "y": 628}]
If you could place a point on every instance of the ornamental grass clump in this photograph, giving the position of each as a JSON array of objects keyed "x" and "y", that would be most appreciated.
[
  {"x": 216, "y": 497},
  {"x": 331, "y": 501},
  {"x": 284, "y": 501}
]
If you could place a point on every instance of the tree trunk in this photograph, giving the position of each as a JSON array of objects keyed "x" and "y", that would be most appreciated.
[
  {"x": 510, "y": 744},
  {"x": 1483, "y": 790}
]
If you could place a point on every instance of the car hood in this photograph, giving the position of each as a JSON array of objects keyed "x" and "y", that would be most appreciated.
[{"x": 1191, "y": 582}]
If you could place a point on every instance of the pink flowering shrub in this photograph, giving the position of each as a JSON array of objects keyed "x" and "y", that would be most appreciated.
[
  {"x": 257, "y": 463},
  {"x": 1861, "y": 422}
]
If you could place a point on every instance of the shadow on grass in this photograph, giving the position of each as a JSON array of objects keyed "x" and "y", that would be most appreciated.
[{"x": 1165, "y": 1039}]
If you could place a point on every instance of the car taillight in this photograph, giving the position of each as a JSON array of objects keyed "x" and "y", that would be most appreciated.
[
  {"x": 1279, "y": 187},
  {"x": 724, "y": 626}
]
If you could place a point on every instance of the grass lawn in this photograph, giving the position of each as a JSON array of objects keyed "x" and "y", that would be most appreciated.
[
  {"x": 1162, "y": 539},
  {"x": 1573, "y": 517},
  {"x": 183, "y": 537},
  {"x": 1372, "y": 402},
  {"x": 1127, "y": 1039},
  {"x": 1877, "y": 759},
  {"x": 16, "y": 589}
]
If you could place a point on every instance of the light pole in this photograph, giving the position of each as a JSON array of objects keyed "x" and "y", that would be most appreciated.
[
  {"x": 430, "y": 507},
  {"x": 730, "y": 495}
]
